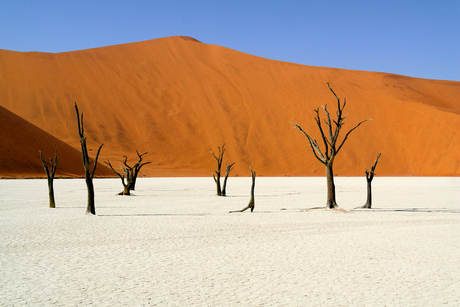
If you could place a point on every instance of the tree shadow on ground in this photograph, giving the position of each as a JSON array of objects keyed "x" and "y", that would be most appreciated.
[
  {"x": 157, "y": 214},
  {"x": 410, "y": 210}
]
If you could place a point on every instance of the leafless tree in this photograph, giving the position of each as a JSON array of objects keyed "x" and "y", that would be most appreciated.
[
  {"x": 331, "y": 142},
  {"x": 50, "y": 175},
  {"x": 221, "y": 191},
  {"x": 369, "y": 177},
  {"x": 133, "y": 172},
  {"x": 251, "y": 201},
  {"x": 89, "y": 174},
  {"x": 126, "y": 185}
]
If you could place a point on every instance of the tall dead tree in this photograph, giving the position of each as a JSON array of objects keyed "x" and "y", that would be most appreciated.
[
  {"x": 251, "y": 201},
  {"x": 126, "y": 185},
  {"x": 331, "y": 143},
  {"x": 217, "y": 173},
  {"x": 89, "y": 174},
  {"x": 369, "y": 177},
  {"x": 133, "y": 172},
  {"x": 50, "y": 175}
]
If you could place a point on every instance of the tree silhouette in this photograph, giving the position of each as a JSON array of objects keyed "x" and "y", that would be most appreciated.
[
  {"x": 252, "y": 202},
  {"x": 89, "y": 174},
  {"x": 221, "y": 191},
  {"x": 50, "y": 175},
  {"x": 332, "y": 145},
  {"x": 369, "y": 177}
]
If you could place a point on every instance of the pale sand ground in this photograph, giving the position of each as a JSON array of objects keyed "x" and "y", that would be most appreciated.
[{"x": 175, "y": 244}]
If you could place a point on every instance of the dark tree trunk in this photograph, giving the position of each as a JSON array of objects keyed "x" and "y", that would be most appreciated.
[
  {"x": 331, "y": 202},
  {"x": 137, "y": 168},
  {"x": 51, "y": 194},
  {"x": 368, "y": 203},
  {"x": 252, "y": 202},
  {"x": 129, "y": 178},
  {"x": 224, "y": 187},
  {"x": 132, "y": 185},
  {"x": 50, "y": 176},
  {"x": 217, "y": 181},
  {"x": 91, "y": 207},
  {"x": 126, "y": 191}
]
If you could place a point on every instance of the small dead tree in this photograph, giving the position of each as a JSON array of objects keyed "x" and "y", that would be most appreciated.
[
  {"x": 224, "y": 187},
  {"x": 220, "y": 191},
  {"x": 251, "y": 201},
  {"x": 133, "y": 172},
  {"x": 89, "y": 174},
  {"x": 369, "y": 177},
  {"x": 126, "y": 184},
  {"x": 332, "y": 146},
  {"x": 50, "y": 175}
]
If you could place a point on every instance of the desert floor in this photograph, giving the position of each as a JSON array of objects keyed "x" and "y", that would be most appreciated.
[{"x": 174, "y": 243}]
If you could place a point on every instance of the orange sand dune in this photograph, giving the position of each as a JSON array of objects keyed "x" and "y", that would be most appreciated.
[
  {"x": 177, "y": 98},
  {"x": 19, "y": 151}
]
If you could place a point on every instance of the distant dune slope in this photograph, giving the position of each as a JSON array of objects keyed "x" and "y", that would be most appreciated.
[
  {"x": 20, "y": 144},
  {"x": 177, "y": 98}
]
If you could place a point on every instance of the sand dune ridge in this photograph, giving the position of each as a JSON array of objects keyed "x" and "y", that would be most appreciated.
[{"x": 178, "y": 98}]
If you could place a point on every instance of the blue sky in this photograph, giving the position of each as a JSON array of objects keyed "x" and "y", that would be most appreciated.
[{"x": 413, "y": 38}]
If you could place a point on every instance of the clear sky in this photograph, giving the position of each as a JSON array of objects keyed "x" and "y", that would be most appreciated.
[{"x": 418, "y": 38}]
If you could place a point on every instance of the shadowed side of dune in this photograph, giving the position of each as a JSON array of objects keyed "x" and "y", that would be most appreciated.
[{"x": 20, "y": 144}]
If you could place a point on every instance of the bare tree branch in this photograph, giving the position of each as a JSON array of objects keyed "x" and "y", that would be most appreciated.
[
  {"x": 348, "y": 133},
  {"x": 95, "y": 160},
  {"x": 323, "y": 136},
  {"x": 111, "y": 167},
  {"x": 313, "y": 145},
  {"x": 372, "y": 169},
  {"x": 122, "y": 177}
]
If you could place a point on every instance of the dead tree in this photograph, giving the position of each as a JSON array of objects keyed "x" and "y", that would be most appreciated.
[
  {"x": 332, "y": 146},
  {"x": 224, "y": 187},
  {"x": 50, "y": 175},
  {"x": 133, "y": 172},
  {"x": 89, "y": 174},
  {"x": 251, "y": 202},
  {"x": 369, "y": 177},
  {"x": 216, "y": 176},
  {"x": 126, "y": 184}
]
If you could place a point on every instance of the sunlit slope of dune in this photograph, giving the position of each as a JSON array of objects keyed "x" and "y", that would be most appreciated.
[
  {"x": 177, "y": 99},
  {"x": 20, "y": 144}
]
